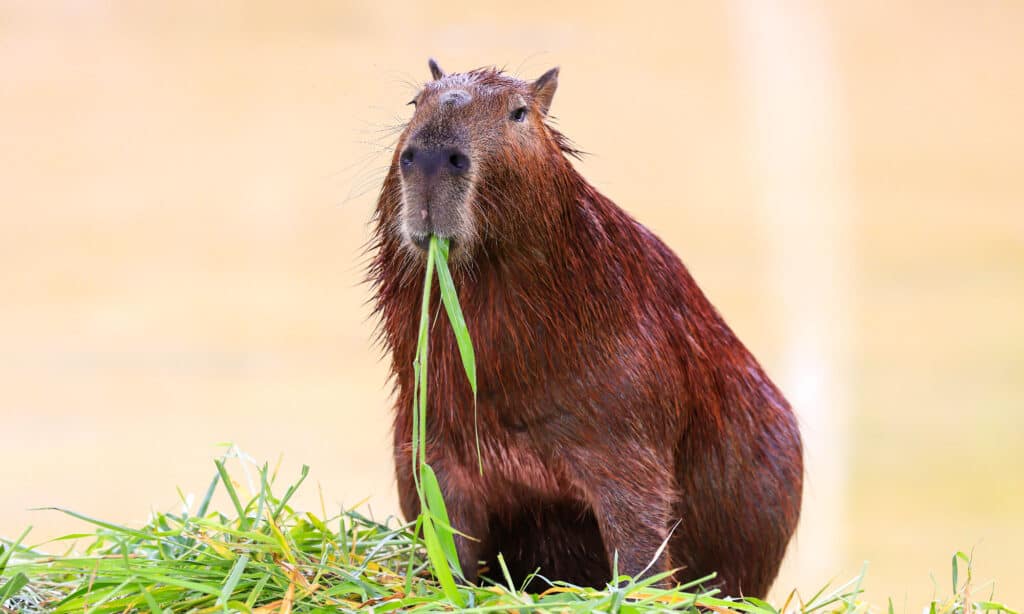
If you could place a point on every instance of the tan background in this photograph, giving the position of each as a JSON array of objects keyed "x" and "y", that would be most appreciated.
[{"x": 186, "y": 189}]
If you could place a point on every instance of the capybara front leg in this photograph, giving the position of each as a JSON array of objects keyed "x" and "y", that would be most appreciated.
[
  {"x": 468, "y": 514},
  {"x": 633, "y": 503}
]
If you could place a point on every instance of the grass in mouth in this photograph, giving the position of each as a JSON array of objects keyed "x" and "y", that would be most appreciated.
[{"x": 263, "y": 556}]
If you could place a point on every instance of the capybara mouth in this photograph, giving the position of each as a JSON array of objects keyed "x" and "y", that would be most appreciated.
[{"x": 422, "y": 240}]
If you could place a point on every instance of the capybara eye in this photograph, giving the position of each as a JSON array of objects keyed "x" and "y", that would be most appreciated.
[{"x": 519, "y": 114}]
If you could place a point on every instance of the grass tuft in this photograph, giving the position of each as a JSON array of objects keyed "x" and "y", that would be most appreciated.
[{"x": 263, "y": 556}]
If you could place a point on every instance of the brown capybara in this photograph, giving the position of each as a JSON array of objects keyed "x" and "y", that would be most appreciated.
[{"x": 616, "y": 409}]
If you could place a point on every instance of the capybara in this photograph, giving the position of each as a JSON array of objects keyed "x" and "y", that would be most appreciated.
[{"x": 616, "y": 409}]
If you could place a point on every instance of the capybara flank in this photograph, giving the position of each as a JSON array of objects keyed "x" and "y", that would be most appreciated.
[{"x": 616, "y": 409}]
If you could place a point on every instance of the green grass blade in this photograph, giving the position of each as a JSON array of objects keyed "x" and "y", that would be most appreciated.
[
  {"x": 242, "y": 519},
  {"x": 265, "y": 493},
  {"x": 108, "y": 525},
  {"x": 154, "y": 607},
  {"x": 291, "y": 491},
  {"x": 13, "y": 586},
  {"x": 177, "y": 581},
  {"x": 205, "y": 505},
  {"x": 439, "y": 563},
  {"x": 5, "y": 554},
  {"x": 992, "y": 606},
  {"x": 232, "y": 581},
  {"x": 436, "y": 506},
  {"x": 257, "y": 590},
  {"x": 420, "y": 366},
  {"x": 417, "y": 529},
  {"x": 424, "y": 362},
  {"x": 450, "y": 298}
]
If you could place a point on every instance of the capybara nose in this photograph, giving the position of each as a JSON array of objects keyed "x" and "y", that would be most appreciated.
[{"x": 449, "y": 160}]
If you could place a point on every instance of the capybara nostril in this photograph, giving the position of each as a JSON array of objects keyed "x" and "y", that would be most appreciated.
[{"x": 459, "y": 162}]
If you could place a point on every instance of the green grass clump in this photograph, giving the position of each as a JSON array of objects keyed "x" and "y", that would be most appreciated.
[{"x": 262, "y": 555}]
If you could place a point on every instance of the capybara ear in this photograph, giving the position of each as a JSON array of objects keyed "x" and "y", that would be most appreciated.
[
  {"x": 435, "y": 69},
  {"x": 544, "y": 89}
]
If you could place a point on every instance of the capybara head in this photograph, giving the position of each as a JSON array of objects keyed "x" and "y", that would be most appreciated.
[{"x": 471, "y": 132}]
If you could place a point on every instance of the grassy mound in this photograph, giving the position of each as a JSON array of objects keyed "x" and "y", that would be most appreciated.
[{"x": 263, "y": 556}]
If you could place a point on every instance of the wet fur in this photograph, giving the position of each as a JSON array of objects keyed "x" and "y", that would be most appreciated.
[{"x": 614, "y": 401}]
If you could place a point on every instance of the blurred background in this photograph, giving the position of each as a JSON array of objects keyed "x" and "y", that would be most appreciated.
[{"x": 186, "y": 190}]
